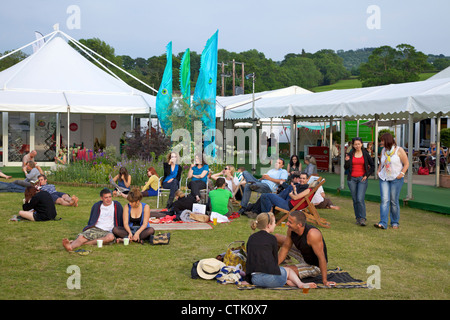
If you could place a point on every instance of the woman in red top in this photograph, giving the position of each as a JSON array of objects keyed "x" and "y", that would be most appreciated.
[{"x": 360, "y": 166}]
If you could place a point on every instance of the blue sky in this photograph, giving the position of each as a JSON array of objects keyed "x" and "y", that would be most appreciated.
[{"x": 143, "y": 28}]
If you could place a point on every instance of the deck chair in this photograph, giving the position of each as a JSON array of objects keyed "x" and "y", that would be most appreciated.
[
  {"x": 307, "y": 207},
  {"x": 162, "y": 191}
]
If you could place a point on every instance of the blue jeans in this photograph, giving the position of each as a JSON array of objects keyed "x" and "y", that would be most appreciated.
[
  {"x": 11, "y": 187},
  {"x": 358, "y": 189},
  {"x": 390, "y": 192},
  {"x": 270, "y": 280},
  {"x": 260, "y": 187},
  {"x": 268, "y": 200}
]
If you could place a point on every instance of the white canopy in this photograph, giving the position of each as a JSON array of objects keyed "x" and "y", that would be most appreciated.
[
  {"x": 441, "y": 75},
  {"x": 57, "y": 76},
  {"x": 422, "y": 99},
  {"x": 245, "y": 101}
]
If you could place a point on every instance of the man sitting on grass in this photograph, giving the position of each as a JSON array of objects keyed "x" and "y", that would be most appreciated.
[
  {"x": 105, "y": 215},
  {"x": 220, "y": 198},
  {"x": 58, "y": 197},
  {"x": 306, "y": 244}
]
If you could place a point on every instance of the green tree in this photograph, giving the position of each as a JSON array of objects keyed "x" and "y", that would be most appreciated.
[
  {"x": 393, "y": 65},
  {"x": 12, "y": 59}
]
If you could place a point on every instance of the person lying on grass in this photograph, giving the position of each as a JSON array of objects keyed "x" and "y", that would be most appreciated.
[
  {"x": 58, "y": 197},
  {"x": 105, "y": 215}
]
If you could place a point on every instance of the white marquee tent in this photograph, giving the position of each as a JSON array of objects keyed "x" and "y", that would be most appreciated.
[
  {"x": 407, "y": 101},
  {"x": 57, "y": 77},
  {"x": 422, "y": 99}
]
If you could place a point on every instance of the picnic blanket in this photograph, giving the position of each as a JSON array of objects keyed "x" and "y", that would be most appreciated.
[
  {"x": 181, "y": 226},
  {"x": 342, "y": 278}
]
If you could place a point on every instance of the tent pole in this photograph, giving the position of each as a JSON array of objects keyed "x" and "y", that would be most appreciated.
[
  {"x": 438, "y": 148},
  {"x": 376, "y": 147},
  {"x": 409, "y": 195},
  {"x": 68, "y": 134},
  {"x": 342, "y": 151},
  {"x": 292, "y": 134},
  {"x": 330, "y": 157}
]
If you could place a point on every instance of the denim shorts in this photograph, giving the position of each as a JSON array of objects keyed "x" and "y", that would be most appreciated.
[{"x": 270, "y": 280}]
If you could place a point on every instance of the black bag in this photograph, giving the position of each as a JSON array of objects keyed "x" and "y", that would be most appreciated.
[
  {"x": 160, "y": 239},
  {"x": 194, "y": 273}
]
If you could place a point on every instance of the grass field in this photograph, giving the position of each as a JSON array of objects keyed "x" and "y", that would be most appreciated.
[
  {"x": 414, "y": 260},
  {"x": 353, "y": 82}
]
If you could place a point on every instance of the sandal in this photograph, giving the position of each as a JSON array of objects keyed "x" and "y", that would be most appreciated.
[{"x": 379, "y": 226}]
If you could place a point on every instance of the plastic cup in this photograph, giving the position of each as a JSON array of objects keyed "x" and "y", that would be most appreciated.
[
  {"x": 283, "y": 224},
  {"x": 305, "y": 288},
  {"x": 99, "y": 243},
  {"x": 215, "y": 221},
  {"x": 126, "y": 241}
]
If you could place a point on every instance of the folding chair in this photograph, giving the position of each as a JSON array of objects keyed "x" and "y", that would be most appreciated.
[
  {"x": 162, "y": 191},
  {"x": 307, "y": 207},
  {"x": 203, "y": 192}
]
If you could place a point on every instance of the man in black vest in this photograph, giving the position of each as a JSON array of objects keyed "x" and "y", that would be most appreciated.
[{"x": 305, "y": 243}]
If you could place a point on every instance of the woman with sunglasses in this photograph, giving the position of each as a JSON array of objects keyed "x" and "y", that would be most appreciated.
[{"x": 360, "y": 166}]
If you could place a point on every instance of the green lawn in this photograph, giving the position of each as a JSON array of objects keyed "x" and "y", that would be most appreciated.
[
  {"x": 353, "y": 82},
  {"x": 414, "y": 260}
]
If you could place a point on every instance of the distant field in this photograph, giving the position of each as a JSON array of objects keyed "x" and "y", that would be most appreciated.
[{"x": 355, "y": 83}]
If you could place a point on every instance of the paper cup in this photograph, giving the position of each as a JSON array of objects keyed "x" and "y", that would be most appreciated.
[
  {"x": 215, "y": 221},
  {"x": 99, "y": 243},
  {"x": 126, "y": 241}
]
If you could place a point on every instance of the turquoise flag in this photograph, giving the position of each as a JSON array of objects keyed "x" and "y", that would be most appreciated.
[
  {"x": 185, "y": 76},
  {"x": 164, "y": 96},
  {"x": 205, "y": 89}
]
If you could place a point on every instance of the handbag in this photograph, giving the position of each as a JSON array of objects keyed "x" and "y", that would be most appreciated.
[
  {"x": 423, "y": 171},
  {"x": 236, "y": 256},
  {"x": 160, "y": 239},
  {"x": 199, "y": 217}
]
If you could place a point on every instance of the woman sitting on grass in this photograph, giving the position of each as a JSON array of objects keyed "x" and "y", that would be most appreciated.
[
  {"x": 262, "y": 257},
  {"x": 123, "y": 180},
  {"x": 136, "y": 216},
  {"x": 151, "y": 187},
  {"x": 37, "y": 206}
]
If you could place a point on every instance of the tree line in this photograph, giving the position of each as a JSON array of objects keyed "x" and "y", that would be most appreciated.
[{"x": 373, "y": 66}]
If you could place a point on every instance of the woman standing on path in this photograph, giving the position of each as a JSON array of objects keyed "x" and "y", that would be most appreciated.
[
  {"x": 393, "y": 166},
  {"x": 360, "y": 166}
]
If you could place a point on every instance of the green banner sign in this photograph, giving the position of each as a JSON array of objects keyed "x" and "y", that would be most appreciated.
[{"x": 365, "y": 132}]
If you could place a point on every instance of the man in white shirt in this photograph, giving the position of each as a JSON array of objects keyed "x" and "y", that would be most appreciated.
[
  {"x": 268, "y": 183},
  {"x": 105, "y": 215}
]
